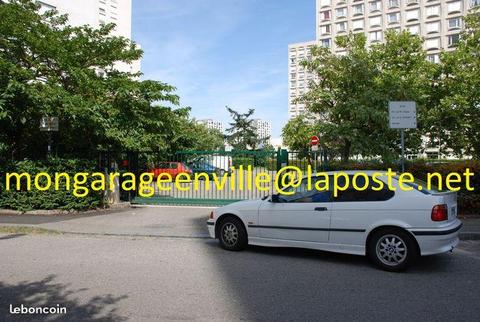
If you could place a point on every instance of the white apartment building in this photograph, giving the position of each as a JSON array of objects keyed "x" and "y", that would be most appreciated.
[
  {"x": 96, "y": 13},
  {"x": 212, "y": 124},
  {"x": 439, "y": 22},
  {"x": 298, "y": 77},
  {"x": 263, "y": 128}
]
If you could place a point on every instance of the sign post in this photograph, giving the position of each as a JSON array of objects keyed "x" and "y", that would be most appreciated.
[
  {"x": 49, "y": 124},
  {"x": 402, "y": 115},
  {"x": 314, "y": 143}
]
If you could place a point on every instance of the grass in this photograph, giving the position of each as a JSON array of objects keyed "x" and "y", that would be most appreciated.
[{"x": 26, "y": 230}]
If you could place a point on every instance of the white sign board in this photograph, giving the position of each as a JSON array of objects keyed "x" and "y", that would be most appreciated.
[
  {"x": 314, "y": 148},
  {"x": 403, "y": 115},
  {"x": 49, "y": 124}
]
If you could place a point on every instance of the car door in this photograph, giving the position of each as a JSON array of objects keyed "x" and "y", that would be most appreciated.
[
  {"x": 303, "y": 216},
  {"x": 354, "y": 211}
]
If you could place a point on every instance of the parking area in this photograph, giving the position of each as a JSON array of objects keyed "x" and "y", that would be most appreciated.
[
  {"x": 115, "y": 278},
  {"x": 156, "y": 263}
]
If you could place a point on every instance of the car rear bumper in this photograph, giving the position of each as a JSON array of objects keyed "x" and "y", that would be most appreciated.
[
  {"x": 436, "y": 241},
  {"x": 211, "y": 228}
]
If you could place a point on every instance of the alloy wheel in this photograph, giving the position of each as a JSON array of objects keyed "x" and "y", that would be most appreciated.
[
  {"x": 229, "y": 234},
  {"x": 391, "y": 250}
]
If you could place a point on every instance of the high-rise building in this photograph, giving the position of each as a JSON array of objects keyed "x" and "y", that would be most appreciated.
[
  {"x": 263, "y": 128},
  {"x": 439, "y": 22},
  {"x": 297, "y": 75},
  {"x": 212, "y": 124},
  {"x": 95, "y": 13}
]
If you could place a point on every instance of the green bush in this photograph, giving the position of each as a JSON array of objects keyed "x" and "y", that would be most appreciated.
[{"x": 24, "y": 200}]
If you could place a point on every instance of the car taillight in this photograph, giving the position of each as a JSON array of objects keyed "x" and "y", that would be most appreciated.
[
  {"x": 211, "y": 215},
  {"x": 439, "y": 213}
]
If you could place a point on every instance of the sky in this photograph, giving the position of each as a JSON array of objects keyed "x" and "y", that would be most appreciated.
[{"x": 223, "y": 52}]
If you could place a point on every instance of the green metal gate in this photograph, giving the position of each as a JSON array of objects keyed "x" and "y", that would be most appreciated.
[{"x": 216, "y": 177}]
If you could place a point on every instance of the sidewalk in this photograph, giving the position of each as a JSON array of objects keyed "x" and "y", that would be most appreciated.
[
  {"x": 183, "y": 222},
  {"x": 186, "y": 222},
  {"x": 470, "y": 229}
]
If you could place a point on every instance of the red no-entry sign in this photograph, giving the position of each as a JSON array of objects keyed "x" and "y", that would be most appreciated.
[{"x": 314, "y": 140}]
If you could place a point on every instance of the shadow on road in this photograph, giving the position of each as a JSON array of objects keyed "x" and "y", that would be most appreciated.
[
  {"x": 48, "y": 293},
  {"x": 270, "y": 283}
]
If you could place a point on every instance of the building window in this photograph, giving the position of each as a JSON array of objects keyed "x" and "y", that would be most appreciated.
[
  {"x": 342, "y": 26},
  {"x": 409, "y": 2},
  {"x": 325, "y": 3},
  {"x": 375, "y": 6},
  {"x": 325, "y": 43},
  {"x": 454, "y": 23},
  {"x": 433, "y": 11},
  {"x": 393, "y": 3},
  {"x": 433, "y": 27},
  {"x": 325, "y": 29},
  {"x": 376, "y": 21},
  {"x": 474, "y": 3},
  {"x": 101, "y": 11},
  {"x": 358, "y": 9},
  {"x": 453, "y": 40},
  {"x": 432, "y": 43},
  {"x": 393, "y": 17},
  {"x": 375, "y": 36},
  {"x": 357, "y": 24},
  {"x": 454, "y": 7},
  {"x": 414, "y": 30},
  {"x": 434, "y": 58},
  {"x": 341, "y": 12},
  {"x": 412, "y": 15},
  {"x": 325, "y": 15}
]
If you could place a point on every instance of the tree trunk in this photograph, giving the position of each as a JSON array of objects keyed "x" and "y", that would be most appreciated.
[{"x": 346, "y": 151}]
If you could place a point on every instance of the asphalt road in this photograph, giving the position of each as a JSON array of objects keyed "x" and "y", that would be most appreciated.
[{"x": 108, "y": 278}]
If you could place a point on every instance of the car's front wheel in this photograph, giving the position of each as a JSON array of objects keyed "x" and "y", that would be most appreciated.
[
  {"x": 232, "y": 234},
  {"x": 391, "y": 249}
]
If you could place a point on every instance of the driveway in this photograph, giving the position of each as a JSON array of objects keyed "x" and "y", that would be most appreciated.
[
  {"x": 186, "y": 222},
  {"x": 116, "y": 278}
]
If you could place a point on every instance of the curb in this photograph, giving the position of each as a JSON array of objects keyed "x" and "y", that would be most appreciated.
[
  {"x": 57, "y": 212},
  {"x": 468, "y": 235}
]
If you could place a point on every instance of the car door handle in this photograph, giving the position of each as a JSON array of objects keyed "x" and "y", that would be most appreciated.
[{"x": 321, "y": 209}]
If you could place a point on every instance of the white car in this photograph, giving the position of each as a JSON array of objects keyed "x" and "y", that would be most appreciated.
[{"x": 391, "y": 227}]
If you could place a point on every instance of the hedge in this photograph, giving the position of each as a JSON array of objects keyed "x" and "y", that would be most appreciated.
[{"x": 62, "y": 199}]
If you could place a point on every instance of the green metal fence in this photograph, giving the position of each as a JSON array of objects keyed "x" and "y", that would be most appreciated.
[{"x": 210, "y": 177}]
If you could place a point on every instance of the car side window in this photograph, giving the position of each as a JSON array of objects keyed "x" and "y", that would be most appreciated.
[
  {"x": 303, "y": 194},
  {"x": 368, "y": 194}
]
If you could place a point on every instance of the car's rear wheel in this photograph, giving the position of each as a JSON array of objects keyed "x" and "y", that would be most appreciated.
[
  {"x": 232, "y": 234},
  {"x": 392, "y": 249}
]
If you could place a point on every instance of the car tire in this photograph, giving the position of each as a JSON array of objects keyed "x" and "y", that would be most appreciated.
[
  {"x": 220, "y": 173},
  {"x": 393, "y": 250},
  {"x": 232, "y": 234}
]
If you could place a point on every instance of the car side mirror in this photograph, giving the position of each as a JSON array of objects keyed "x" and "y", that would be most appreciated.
[{"x": 275, "y": 198}]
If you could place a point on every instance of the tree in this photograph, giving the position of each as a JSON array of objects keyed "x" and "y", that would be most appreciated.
[
  {"x": 48, "y": 68},
  {"x": 243, "y": 134},
  {"x": 297, "y": 133},
  {"x": 457, "y": 117},
  {"x": 352, "y": 92}
]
